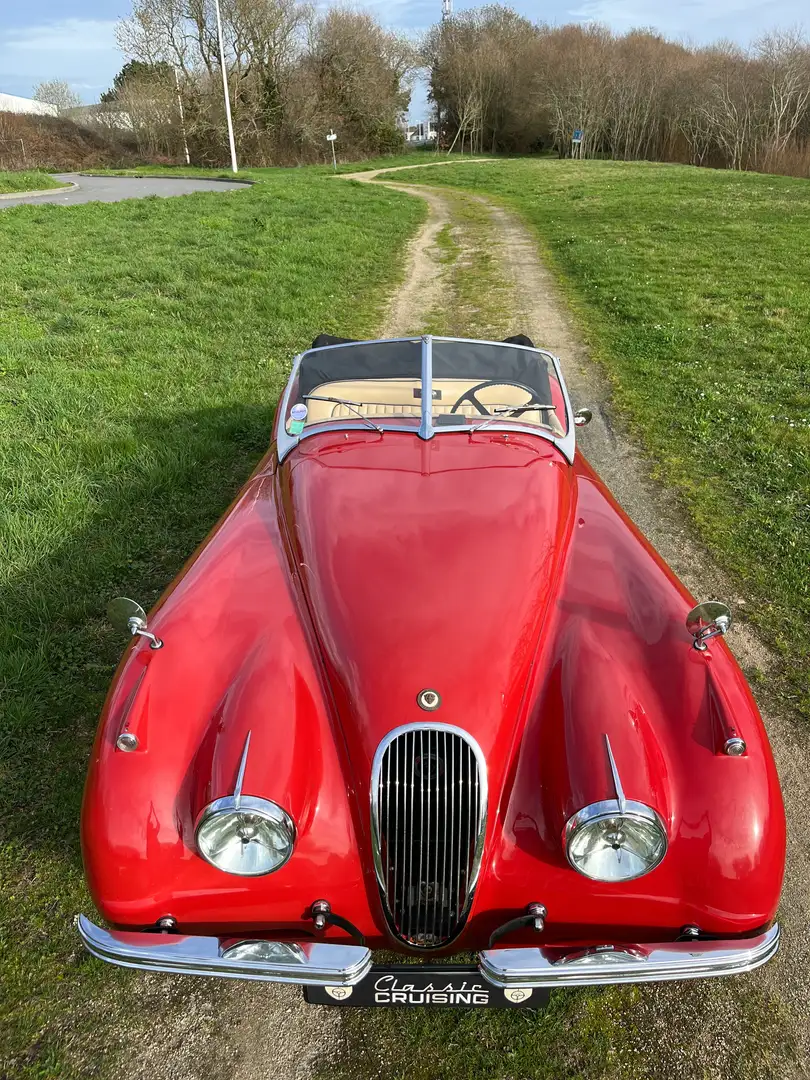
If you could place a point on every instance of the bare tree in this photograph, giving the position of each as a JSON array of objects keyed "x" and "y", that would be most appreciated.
[
  {"x": 291, "y": 74},
  {"x": 784, "y": 64},
  {"x": 359, "y": 78},
  {"x": 57, "y": 92},
  {"x": 482, "y": 65}
]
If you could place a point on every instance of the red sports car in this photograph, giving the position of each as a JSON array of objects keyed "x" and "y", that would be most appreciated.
[{"x": 426, "y": 689}]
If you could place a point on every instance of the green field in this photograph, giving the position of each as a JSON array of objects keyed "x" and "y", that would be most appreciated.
[
  {"x": 693, "y": 288},
  {"x": 31, "y": 180},
  {"x": 142, "y": 349}
]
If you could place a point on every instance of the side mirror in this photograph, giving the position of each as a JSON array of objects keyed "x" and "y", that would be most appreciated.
[
  {"x": 130, "y": 618},
  {"x": 708, "y": 620},
  {"x": 582, "y": 417}
]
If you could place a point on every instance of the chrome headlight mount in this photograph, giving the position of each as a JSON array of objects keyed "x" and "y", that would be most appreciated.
[
  {"x": 615, "y": 840},
  {"x": 245, "y": 835}
]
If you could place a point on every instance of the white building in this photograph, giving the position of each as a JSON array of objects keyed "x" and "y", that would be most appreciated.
[
  {"x": 10, "y": 103},
  {"x": 421, "y": 133}
]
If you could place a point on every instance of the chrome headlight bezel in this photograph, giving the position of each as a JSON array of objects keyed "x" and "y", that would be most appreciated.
[
  {"x": 268, "y": 811},
  {"x": 610, "y": 809}
]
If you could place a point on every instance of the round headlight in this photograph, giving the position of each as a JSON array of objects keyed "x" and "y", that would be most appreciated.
[
  {"x": 608, "y": 842},
  {"x": 249, "y": 837}
]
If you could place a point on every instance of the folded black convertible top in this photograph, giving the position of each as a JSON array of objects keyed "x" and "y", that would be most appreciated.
[
  {"x": 322, "y": 340},
  {"x": 403, "y": 360}
]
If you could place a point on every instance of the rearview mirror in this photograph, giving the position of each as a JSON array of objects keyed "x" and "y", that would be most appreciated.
[
  {"x": 130, "y": 618},
  {"x": 582, "y": 417},
  {"x": 121, "y": 610},
  {"x": 707, "y": 620}
]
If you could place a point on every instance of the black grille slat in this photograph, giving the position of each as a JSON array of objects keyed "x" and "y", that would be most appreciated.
[
  {"x": 454, "y": 834},
  {"x": 434, "y": 920},
  {"x": 429, "y": 807},
  {"x": 444, "y": 923},
  {"x": 423, "y": 810}
]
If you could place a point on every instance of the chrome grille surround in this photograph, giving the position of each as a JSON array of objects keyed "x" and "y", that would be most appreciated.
[{"x": 428, "y": 821}]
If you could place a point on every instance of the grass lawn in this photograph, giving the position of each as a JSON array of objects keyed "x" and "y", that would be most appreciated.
[
  {"x": 31, "y": 180},
  {"x": 142, "y": 349},
  {"x": 693, "y": 287}
]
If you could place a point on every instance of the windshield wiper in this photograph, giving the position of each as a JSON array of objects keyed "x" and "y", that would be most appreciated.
[
  {"x": 498, "y": 414},
  {"x": 353, "y": 405}
]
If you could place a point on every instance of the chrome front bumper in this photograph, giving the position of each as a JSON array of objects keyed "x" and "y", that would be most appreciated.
[
  {"x": 530, "y": 968},
  {"x": 319, "y": 964},
  {"x": 308, "y": 964}
]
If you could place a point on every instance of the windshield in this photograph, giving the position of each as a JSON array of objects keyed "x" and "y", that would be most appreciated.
[
  {"x": 476, "y": 383},
  {"x": 470, "y": 385}
]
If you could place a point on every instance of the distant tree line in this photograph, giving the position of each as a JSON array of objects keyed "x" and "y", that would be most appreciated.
[
  {"x": 293, "y": 73},
  {"x": 497, "y": 82},
  {"x": 500, "y": 82}
]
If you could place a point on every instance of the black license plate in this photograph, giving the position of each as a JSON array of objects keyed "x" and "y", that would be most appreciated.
[{"x": 411, "y": 986}]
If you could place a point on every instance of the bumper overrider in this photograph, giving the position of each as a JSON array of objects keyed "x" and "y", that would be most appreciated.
[{"x": 321, "y": 964}]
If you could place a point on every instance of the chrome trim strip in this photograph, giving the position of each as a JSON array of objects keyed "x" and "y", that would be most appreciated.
[
  {"x": 240, "y": 776},
  {"x": 549, "y": 967},
  {"x": 478, "y": 848},
  {"x": 426, "y": 426},
  {"x": 311, "y": 963},
  {"x": 285, "y": 442},
  {"x": 617, "y": 783}
]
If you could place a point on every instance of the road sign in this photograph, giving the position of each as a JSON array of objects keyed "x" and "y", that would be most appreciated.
[
  {"x": 331, "y": 136},
  {"x": 577, "y": 136}
]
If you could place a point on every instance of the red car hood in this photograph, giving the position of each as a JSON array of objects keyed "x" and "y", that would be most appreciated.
[
  {"x": 429, "y": 565},
  {"x": 368, "y": 568}
]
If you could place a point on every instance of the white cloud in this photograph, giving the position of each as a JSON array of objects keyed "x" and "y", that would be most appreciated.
[{"x": 83, "y": 52}]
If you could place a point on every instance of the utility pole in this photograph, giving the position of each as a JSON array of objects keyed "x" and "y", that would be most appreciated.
[
  {"x": 182, "y": 117},
  {"x": 234, "y": 166},
  {"x": 447, "y": 14}
]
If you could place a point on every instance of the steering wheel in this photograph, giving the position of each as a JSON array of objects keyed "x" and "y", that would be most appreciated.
[{"x": 518, "y": 410}]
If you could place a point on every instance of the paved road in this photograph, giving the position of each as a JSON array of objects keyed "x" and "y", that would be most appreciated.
[{"x": 116, "y": 188}]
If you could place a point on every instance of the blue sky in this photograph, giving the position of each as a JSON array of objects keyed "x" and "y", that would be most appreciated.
[{"x": 74, "y": 39}]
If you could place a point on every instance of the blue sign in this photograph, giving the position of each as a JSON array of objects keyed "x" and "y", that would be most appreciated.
[{"x": 577, "y": 136}]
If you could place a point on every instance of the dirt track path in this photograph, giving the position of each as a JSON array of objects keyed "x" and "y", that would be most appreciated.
[{"x": 712, "y": 1030}]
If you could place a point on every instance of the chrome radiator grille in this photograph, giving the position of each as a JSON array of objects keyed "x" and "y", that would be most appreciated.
[{"x": 428, "y": 817}]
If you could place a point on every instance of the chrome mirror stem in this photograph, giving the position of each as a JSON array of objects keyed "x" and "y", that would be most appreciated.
[
  {"x": 137, "y": 628},
  {"x": 709, "y": 632}
]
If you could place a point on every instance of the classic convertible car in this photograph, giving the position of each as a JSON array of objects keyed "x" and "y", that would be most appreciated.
[{"x": 426, "y": 689}]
